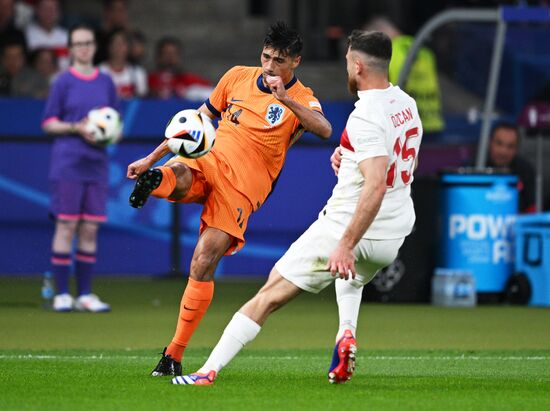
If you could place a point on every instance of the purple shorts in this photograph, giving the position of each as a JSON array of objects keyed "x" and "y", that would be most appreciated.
[{"x": 79, "y": 200}]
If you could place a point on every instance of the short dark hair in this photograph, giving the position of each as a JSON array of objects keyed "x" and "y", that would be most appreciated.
[
  {"x": 168, "y": 40},
  {"x": 505, "y": 125},
  {"x": 33, "y": 56},
  {"x": 116, "y": 32},
  {"x": 79, "y": 26},
  {"x": 374, "y": 44},
  {"x": 284, "y": 39},
  {"x": 12, "y": 42}
]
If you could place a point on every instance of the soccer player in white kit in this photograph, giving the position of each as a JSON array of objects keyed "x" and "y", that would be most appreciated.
[{"x": 363, "y": 224}]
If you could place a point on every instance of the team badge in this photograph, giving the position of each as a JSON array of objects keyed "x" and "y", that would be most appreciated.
[{"x": 274, "y": 114}]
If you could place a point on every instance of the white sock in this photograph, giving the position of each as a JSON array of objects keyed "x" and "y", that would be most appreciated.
[
  {"x": 239, "y": 332},
  {"x": 349, "y": 301}
]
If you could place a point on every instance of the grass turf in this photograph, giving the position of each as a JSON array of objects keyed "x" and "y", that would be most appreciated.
[{"x": 411, "y": 356}]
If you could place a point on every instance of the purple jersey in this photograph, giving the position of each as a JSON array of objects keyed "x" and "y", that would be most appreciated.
[{"x": 71, "y": 97}]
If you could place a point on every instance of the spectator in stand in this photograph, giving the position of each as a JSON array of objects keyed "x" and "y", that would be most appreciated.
[
  {"x": 44, "y": 62},
  {"x": 16, "y": 79},
  {"x": 503, "y": 153},
  {"x": 12, "y": 61},
  {"x": 138, "y": 48},
  {"x": 422, "y": 83},
  {"x": 35, "y": 79},
  {"x": 130, "y": 80},
  {"x": 115, "y": 17},
  {"x": 9, "y": 32},
  {"x": 44, "y": 32},
  {"x": 169, "y": 80}
]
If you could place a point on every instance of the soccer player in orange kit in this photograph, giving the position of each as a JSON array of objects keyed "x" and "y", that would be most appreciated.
[{"x": 263, "y": 111}]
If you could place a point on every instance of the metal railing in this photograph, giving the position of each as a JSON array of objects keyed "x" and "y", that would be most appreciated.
[{"x": 501, "y": 17}]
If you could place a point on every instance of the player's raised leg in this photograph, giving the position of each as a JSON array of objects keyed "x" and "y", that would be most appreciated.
[
  {"x": 348, "y": 298},
  {"x": 196, "y": 298},
  {"x": 159, "y": 182},
  {"x": 169, "y": 181},
  {"x": 243, "y": 328}
]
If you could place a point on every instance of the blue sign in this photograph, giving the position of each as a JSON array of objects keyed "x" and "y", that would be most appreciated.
[{"x": 477, "y": 218}]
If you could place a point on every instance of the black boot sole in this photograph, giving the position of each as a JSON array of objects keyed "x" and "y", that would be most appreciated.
[{"x": 146, "y": 183}]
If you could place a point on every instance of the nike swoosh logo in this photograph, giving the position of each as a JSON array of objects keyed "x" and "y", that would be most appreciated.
[
  {"x": 234, "y": 100},
  {"x": 189, "y": 309}
]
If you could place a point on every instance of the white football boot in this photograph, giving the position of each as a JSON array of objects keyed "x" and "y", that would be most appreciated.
[
  {"x": 91, "y": 303},
  {"x": 63, "y": 303}
]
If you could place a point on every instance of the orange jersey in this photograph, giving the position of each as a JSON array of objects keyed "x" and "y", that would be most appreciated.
[{"x": 256, "y": 130}]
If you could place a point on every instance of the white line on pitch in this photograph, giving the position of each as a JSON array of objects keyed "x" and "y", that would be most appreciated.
[{"x": 288, "y": 358}]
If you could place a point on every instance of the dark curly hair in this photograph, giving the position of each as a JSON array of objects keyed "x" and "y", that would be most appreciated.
[{"x": 284, "y": 39}]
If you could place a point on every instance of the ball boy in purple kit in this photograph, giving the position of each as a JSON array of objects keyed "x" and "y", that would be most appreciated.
[{"x": 78, "y": 171}]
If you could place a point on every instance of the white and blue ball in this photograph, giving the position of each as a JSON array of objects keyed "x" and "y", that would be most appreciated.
[
  {"x": 105, "y": 125},
  {"x": 190, "y": 134}
]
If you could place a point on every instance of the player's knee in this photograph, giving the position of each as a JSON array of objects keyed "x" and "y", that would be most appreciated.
[
  {"x": 203, "y": 266},
  {"x": 268, "y": 302},
  {"x": 66, "y": 228},
  {"x": 184, "y": 178},
  {"x": 87, "y": 232}
]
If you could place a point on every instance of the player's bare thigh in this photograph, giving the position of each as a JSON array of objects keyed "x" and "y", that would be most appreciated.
[{"x": 276, "y": 292}]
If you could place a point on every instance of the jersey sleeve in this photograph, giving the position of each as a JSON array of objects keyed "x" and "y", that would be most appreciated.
[
  {"x": 367, "y": 136},
  {"x": 217, "y": 102},
  {"x": 54, "y": 104},
  {"x": 309, "y": 101}
]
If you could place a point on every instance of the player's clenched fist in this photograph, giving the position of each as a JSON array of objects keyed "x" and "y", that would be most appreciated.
[
  {"x": 137, "y": 168},
  {"x": 336, "y": 159},
  {"x": 277, "y": 87}
]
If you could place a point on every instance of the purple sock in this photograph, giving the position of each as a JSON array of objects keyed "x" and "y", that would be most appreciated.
[
  {"x": 85, "y": 263},
  {"x": 61, "y": 269}
]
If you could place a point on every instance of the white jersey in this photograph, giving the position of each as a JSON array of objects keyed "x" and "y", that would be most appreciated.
[
  {"x": 130, "y": 82},
  {"x": 55, "y": 40},
  {"x": 383, "y": 123}
]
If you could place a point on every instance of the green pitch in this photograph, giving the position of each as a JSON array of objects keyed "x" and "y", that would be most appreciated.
[{"x": 410, "y": 356}]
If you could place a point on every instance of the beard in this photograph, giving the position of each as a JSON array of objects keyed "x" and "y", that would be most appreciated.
[{"x": 352, "y": 86}]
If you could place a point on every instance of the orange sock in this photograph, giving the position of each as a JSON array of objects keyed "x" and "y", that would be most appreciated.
[
  {"x": 168, "y": 183},
  {"x": 194, "y": 303}
]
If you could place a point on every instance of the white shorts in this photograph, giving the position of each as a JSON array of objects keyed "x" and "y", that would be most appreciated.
[{"x": 304, "y": 263}]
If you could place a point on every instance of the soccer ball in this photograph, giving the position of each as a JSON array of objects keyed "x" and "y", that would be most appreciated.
[
  {"x": 190, "y": 134},
  {"x": 105, "y": 125}
]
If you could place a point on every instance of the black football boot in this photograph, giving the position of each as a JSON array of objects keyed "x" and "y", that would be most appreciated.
[
  {"x": 145, "y": 184},
  {"x": 167, "y": 366}
]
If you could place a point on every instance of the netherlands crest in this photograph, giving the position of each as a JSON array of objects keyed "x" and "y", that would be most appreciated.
[{"x": 274, "y": 114}]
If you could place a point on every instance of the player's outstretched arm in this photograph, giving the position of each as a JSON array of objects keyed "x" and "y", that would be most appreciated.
[
  {"x": 312, "y": 120},
  {"x": 342, "y": 260},
  {"x": 138, "y": 167}
]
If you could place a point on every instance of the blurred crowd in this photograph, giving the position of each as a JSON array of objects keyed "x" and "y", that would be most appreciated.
[{"x": 33, "y": 51}]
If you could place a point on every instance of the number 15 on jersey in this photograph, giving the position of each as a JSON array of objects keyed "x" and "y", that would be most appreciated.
[{"x": 402, "y": 167}]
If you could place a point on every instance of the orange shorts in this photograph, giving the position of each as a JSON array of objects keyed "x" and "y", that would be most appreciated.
[{"x": 225, "y": 208}]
